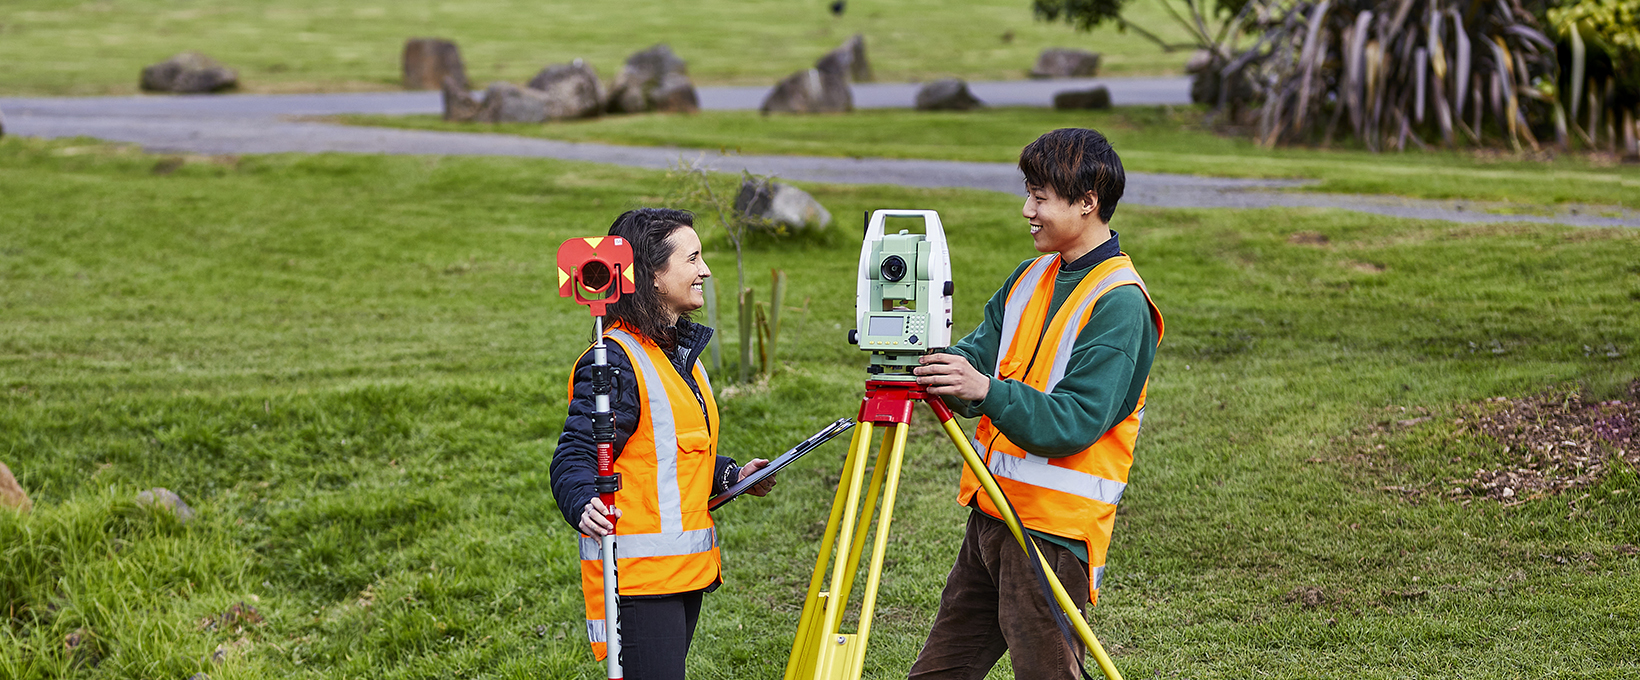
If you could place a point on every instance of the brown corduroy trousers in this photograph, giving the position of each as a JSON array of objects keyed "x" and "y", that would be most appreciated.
[{"x": 993, "y": 604}]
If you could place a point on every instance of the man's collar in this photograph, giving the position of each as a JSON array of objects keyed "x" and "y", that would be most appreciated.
[{"x": 1104, "y": 251}]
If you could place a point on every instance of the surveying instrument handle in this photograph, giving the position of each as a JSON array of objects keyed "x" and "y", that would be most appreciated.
[{"x": 596, "y": 271}]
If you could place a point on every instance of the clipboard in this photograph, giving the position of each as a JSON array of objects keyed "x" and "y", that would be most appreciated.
[{"x": 836, "y": 428}]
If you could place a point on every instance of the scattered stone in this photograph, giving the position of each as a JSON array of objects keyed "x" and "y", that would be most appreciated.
[
  {"x": 81, "y": 647},
  {"x": 948, "y": 94},
  {"x": 849, "y": 60},
  {"x": 227, "y": 649},
  {"x": 459, "y": 104},
  {"x": 811, "y": 91},
  {"x": 12, "y": 494},
  {"x": 572, "y": 89},
  {"x": 428, "y": 61},
  {"x": 654, "y": 80},
  {"x": 509, "y": 103},
  {"x": 165, "y": 498},
  {"x": 189, "y": 73},
  {"x": 1096, "y": 98},
  {"x": 1058, "y": 62},
  {"x": 781, "y": 206}
]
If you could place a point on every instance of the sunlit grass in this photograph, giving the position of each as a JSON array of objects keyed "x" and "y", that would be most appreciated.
[{"x": 354, "y": 367}]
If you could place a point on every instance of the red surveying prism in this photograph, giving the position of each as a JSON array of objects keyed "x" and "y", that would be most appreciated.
[{"x": 597, "y": 270}]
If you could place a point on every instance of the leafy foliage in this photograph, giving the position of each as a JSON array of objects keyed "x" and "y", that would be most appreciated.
[{"x": 1396, "y": 72}]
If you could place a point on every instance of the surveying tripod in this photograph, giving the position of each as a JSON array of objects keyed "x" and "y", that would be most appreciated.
[{"x": 821, "y": 651}]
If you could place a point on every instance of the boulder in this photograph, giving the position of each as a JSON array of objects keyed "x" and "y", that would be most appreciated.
[
  {"x": 948, "y": 94},
  {"x": 459, "y": 104},
  {"x": 428, "y": 61},
  {"x": 573, "y": 90},
  {"x": 1058, "y": 62},
  {"x": 1096, "y": 98},
  {"x": 811, "y": 91},
  {"x": 653, "y": 80},
  {"x": 509, "y": 103},
  {"x": 848, "y": 60},
  {"x": 781, "y": 205},
  {"x": 12, "y": 494},
  {"x": 188, "y": 73},
  {"x": 1206, "y": 80},
  {"x": 164, "y": 498}
]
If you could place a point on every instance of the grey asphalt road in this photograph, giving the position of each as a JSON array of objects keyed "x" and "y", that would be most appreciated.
[{"x": 251, "y": 124}]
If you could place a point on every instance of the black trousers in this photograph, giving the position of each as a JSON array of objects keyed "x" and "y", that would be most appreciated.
[{"x": 655, "y": 635}]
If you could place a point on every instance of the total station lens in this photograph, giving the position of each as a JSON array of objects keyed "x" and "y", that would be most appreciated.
[{"x": 893, "y": 268}]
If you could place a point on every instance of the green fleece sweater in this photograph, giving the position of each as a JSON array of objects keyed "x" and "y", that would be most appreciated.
[{"x": 1103, "y": 379}]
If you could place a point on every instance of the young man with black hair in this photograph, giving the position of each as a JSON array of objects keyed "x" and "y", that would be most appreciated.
[{"x": 1057, "y": 372}]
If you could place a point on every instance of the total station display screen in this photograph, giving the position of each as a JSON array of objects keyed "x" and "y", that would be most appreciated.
[{"x": 891, "y": 326}]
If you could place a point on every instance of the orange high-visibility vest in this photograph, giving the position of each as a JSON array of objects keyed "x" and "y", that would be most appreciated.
[
  {"x": 1074, "y": 496},
  {"x": 665, "y": 540}
]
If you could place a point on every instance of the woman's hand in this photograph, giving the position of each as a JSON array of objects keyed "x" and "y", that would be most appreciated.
[
  {"x": 594, "y": 523},
  {"x": 763, "y": 487},
  {"x": 951, "y": 375}
]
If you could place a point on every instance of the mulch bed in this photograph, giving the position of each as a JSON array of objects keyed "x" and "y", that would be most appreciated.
[{"x": 1555, "y": 442}]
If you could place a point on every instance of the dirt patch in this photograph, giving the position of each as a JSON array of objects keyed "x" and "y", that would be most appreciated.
[
  {"x": 1555, "y": 442},
  {"x": 1309, "y": 597},
  {"x": 1309, "y": 238},
  {"x": 1365, "y": 267}
]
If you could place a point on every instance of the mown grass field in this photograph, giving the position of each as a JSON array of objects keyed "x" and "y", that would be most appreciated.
[
  {"x": 1149, "y": 139},
  {"x": 353, "y": 368},
  {"x": 100, "y": 46}
]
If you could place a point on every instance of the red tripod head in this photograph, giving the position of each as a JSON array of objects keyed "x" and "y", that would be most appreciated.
[{"x": 597, "y": 270}]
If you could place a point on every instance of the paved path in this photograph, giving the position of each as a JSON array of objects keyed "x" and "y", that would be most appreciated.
[{"x": 249, "y": 124}]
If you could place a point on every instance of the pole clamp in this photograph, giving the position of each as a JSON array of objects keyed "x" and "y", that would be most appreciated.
[{"x": 607, "y": 483}]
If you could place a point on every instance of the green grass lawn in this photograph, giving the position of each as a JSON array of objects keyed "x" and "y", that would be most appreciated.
[
  {"x": 1149, "y": 139},
  {"x": 353, "y": 367},
  {"x": 99, "y": 46}
]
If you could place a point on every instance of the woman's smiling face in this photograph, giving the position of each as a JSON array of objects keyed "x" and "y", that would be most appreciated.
[{"x": 679, "y": 284}]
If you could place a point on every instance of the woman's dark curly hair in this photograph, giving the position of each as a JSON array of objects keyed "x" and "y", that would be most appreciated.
[{"x": 648, "y": 229}]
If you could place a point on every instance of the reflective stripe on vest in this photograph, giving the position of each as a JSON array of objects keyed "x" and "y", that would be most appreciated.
[
  {"x": 596, "y": 632},
  {"x": 666, "y": 435},
  {"x": 1014, "y": 310},
  {"x": 1068, "y": 339},
  {"x": 653, "y": 545},
  {"x": 1036, "y": 471}
]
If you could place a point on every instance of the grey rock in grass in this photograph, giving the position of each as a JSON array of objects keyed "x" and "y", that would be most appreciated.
[
  {"x": 848, "y": 60},
  {"x": 811, "y": 91},
  {"x": 12, "y": 494},
  {"x": 162, "y": 497},
  {"x": 189, "y": 73},
  {"x": 509, "y": 103},
  {"x": 459, "y": 104},
  {"x": 1058, "y": 62},
  {"x": 654, "y": 80},
  {"x": 573, "y": 90},
  {"x": 781, "y": 205},
  {"x": 947, "y": 94},
  {"x": 428, "y": 61},
  {"x": 1096, "y": 98}
]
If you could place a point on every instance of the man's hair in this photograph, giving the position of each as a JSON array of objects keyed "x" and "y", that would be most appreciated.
[
  {"x": 648, "y": 229},
  {"x": 1073, "y": 162}
]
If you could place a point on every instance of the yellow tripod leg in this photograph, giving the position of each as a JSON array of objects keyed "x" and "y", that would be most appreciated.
[
  {"x": 805, "y": 647},
  {"x": 896, "y": 455},
  {"x": 986, "y": 480},
  {"x": 833, "y": 616}
]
